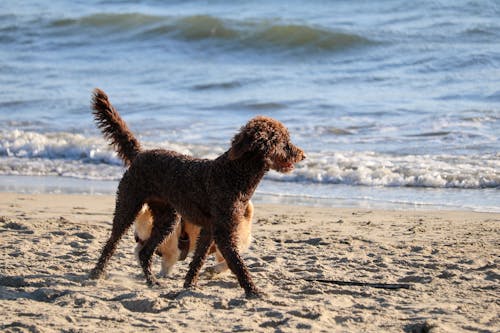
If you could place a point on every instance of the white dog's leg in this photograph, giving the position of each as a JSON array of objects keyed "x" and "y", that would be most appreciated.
[
  {"x": 138, "y": 249},
  {"x": 167, "y": 264}
]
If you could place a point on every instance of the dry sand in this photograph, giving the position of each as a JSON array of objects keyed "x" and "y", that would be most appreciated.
[{"x": 300, "y": 258}]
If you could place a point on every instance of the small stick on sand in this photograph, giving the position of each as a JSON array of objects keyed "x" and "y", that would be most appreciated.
[{"x": 363, "y": 284}]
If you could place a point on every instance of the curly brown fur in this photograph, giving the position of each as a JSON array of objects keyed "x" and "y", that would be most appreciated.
[
  {"x": 114, "y": 128},
  {"x": 212, "y": 194}
]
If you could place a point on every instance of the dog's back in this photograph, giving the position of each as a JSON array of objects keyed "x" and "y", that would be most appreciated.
[{"x": 161, "y": 174}]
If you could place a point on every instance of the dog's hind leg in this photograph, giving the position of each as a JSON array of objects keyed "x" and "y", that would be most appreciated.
[
  {"x": 200, "y": 255},
  {"x": 226, "y": 243},
  {"x": 125, "y": 213},
  {"x": 165, "y": 219}
]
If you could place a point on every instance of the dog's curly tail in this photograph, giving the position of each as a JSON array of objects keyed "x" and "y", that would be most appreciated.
[{"x": 114, "y": 129}]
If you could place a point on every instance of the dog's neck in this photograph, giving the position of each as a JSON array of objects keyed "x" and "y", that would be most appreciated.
[{"x": 249, "y": 168}]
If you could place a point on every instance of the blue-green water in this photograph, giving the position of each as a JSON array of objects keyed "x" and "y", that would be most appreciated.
[{"x": 395, "y": 102}]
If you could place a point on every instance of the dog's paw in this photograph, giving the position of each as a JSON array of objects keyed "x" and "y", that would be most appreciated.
[
  {"x": 254, "y": 294},
  {"x": 164, "y": 273},
  {"x": 153, "y": 283},
  {"x": 214, "y": 271},
  {"x": 95, "y": 274},
  {"x": 211, "y": 272},
  {"x": 189, "y": 285},
  {"x": 156, "y": 285},
  {"x": 89, "y": 283}
]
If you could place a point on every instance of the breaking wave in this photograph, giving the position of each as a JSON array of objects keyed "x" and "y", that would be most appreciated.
[{"x": 75, "y": 155}]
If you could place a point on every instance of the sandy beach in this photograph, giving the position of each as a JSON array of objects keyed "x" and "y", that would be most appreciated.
[{"x": 320, "y": 269}]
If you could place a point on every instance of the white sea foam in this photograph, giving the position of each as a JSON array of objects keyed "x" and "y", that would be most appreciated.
[
  {"x": 74, "y": 155},
  {"x": 51, "y": 146},
  {"x": 375, "y": 169}
]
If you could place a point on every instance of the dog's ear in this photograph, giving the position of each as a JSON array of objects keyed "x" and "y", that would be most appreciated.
[{"x": 240, "y": 145}]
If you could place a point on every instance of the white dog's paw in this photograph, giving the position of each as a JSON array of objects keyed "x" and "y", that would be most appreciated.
[
  {"x": 165, "y": 271},
  {"x": 216, "y": 270},
  {"x": 210, "y": 272}
]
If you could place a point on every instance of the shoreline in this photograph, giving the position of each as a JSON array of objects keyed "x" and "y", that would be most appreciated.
[
  {"x": 448, "y": 259},
  {"x": 284, "y": 193}
]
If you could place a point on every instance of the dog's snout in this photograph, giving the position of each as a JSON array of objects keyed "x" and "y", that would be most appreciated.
[
  {"x": 301, "y": 155},
  {"x": 296, "y": 153}
]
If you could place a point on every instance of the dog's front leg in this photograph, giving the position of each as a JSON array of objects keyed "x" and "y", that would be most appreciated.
[
  {"x": 200, "y": 254},
  {"x": 225, "y": 239}
]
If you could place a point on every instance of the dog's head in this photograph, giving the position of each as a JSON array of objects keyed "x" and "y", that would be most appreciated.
[{"x": 268, "y": 138}]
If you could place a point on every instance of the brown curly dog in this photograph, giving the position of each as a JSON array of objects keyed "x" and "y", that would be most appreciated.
[{"x": 212, "y": 194}]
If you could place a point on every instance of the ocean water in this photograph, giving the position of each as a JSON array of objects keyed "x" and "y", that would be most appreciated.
[{"x": 396, "y": 103}]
